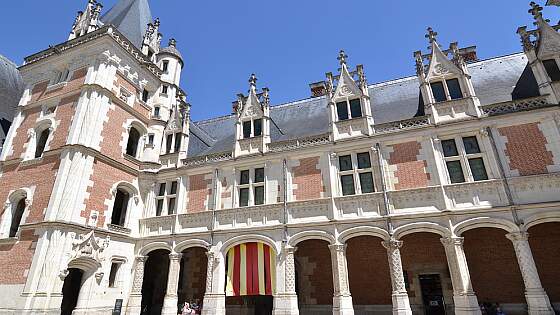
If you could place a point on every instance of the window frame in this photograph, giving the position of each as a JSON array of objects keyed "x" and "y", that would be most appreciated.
[
  {"x": 123, "y": 216},
  {"x": 252, "y": 133},
  {"x": 347, "y": 100},
  {"x": 549, "y": 74},
  {"x": 166, "y": 197},
  {"x": 117, "y": 282},
  {"x": 251, "y": 186},
  {"x": 463, "y": 157},
  {"x": 446, "y": 90},
  {"x": 355, "y": 171}
]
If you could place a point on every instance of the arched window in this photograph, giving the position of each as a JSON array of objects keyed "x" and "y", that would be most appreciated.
[
  {"x": 133, "y": 140},
  {"x": 17, "y": 214},
  {"x": 119, "y": 207},
  {"x": 42, "y": 142}
]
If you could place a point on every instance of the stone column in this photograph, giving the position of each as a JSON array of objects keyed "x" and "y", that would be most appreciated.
[
  {"x": 342, "y": 299},
  {"x": 537, "y": 299},
  {"x": 285, "y": 299},
  {"x": 401, "y": 303},
  {"x": 463, "y": 295},
  {"x": 171, "y": 300},
  {"x": 135, "y": 298},
  {"x": 214, "y": 298}
]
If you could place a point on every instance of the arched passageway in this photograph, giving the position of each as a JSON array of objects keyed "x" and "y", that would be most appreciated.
[
  {"x": 154, "y": 285},
  {"x": 368, "y": 275},
  {"x": 192, "y": 277},
  {"x": 495, "y": 274},
  {"x": 426, "y": 274},
  {"x": 544, "y": 240},
  {"x": 71, "y": 291},
  {"x": 314, "y": 281}
]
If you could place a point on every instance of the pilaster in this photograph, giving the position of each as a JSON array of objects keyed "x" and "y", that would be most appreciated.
[
  {"x": 135, "y": 298},
  {"x": 401, "y": 303},
  {"x": 214, "y": 298},
  {"x": 342, "y": 299},
  {"x": 171, "y": 300},
  {"x": 537, "y": 299},
  {"x": 464, "y": 297},
  {"x": 285, "y": 299}
]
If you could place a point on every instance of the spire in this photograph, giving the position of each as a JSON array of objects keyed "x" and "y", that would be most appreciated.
[
  {"x": 431, "y": 36},
  {"x": 131, "y": 18},
  {"x": 439, "y": 63},
  {"x": 253, "y": 84},
  {"x": 342, "y": 57},
  {"x": 87, "y": 21}
]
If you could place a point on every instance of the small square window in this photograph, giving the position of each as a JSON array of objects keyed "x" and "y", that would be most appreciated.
[
  {"x": 246, "y": 129},
  {"x": 257, "y": 124},
  {"x": 161, "y": 189},
  {"x": 150, "y": 139},
  {"x": 173, "y": 189},
  {"x": 244, "y": 178},
  {"x": 471, "y": 145},
  {"x": 355, "y": 108},
  {"x": 345, "y": 162},
  {"x": 366, "y": 183},
  {"x": 259, "y": 175},
  {"x": 347, "y": 182},
  {"x": 342, "y": 110},
  {"x": 455, "y": 172},
  {"x": 259, "y": 195},
  {"x": 156, "y": 111},
  {"x": 454, "y": 89},
  {"x": 363, "y": 160},
  {"x": 449, "y": 148},
  {"x": 477, "y": 169},
  {"x": 243, "y": 197},
  {"x": 438, "y": 91},
  {"x": 164, "y": 89},
  {"x": 165, "y": 66}
]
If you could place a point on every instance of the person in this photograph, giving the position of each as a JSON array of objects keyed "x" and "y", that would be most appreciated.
[
  {"x": 187, "y": 310},
  {"x": 499, "y": 310}
]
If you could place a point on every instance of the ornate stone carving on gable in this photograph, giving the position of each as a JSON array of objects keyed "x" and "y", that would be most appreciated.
[
  {"x": 439, "y": 65},
  {"x": 180, "y": 115},
  {"x": 152, "y": 38},
  {"x": 87, "y": 251},
  {"x": 251, "y": 106},
  {"x": 548, "y": 37},
  {"x": 346, "y": 86}
]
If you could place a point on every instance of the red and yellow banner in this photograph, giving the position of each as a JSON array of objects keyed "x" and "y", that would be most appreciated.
[{"x": 250, "y": 270}]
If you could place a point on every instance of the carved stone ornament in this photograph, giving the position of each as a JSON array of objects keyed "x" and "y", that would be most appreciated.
[
  {"x": 63, "y": 274},
  {"x": 88, "y": 250}
]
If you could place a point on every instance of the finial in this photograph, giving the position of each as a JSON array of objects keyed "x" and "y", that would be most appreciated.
[
  {"x": 253, "y": 81},
  {"x": 535, "y": 10},
  {"x": 172, "y": 42},
  {"x": 342, "y": 57},
  {"x": 431, "y": 36},
  {"x": 156, "y": 22}
]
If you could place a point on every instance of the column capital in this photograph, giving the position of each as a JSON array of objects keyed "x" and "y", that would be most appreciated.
[
  {"x": 337, "y": 247},
  {"x": 392, "y": 244},
  {"x": 452, "y": 240},
  {"x": 518, "y": 236},
  {"x": 289, "y": 249},
  {"x": 175, "y": 256},
  {"x": 141, "y": 259}
]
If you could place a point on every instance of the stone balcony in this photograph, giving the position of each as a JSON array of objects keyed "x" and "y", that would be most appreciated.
[{"x": 409, "y": 202}]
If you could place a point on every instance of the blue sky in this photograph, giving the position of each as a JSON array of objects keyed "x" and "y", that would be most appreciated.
[{"x": 288, "y": 43}]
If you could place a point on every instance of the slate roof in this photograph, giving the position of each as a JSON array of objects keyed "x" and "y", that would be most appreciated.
[
  {"x": 11, "y": 88},
  {"x": 131, "y": 17},
  {"x": 495, "y": 80},
  {"x": 172, "y": 50}
]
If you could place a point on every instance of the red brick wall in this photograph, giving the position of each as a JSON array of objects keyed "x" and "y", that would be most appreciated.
[
  {"x": 199, "y": 193},
  {"x": 121, "y": 81},
  {"x": 77, "y": 79},
  {"x": 526, "y": 149},
  {"x": 314, "y": 273},
  {"x": 493, "y": 266},
  {"x": 192, "y": 284},
  {"x": 545, "y": 245},
  {"x": 16, "y": 259},
  {"x": 104, "y": 177},
  {"x": 410, "y": 172},
  {"x": 64, "y": 114},
  {"x": 307, "y": 177},
  {"x": 20, "y": 138},
  {"x": 112, "y": 134},
  {"x": 368, "y": 271}
]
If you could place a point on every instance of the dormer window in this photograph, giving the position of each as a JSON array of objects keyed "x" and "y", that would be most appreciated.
[
  {"x": 252, "y": 128},
  {"x": 451, "y": 90},
  {"x": 165, "y": 66},
  {"x": 349, "y": 109},
  {"x": 173, "y": 143},
  {"x": 551, "y": 67}
]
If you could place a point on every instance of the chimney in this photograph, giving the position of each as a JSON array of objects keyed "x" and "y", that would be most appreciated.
[
  {"x": 318, "y": 89},
  {"x": 469, "y": 54}
]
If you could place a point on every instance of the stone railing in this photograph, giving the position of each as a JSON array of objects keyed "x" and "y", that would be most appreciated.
[
  {"x": 535, "y": 188},
  {"x": 247, "y": 217},
  {"x": 488, "y": 193},
  {"x": 316, "y": 210},
  {"x": 515, "y": 106},
  {"x": 206, "y": 159},
  {"x": 295, "y": 144},
  {"x": 360, "y": 206},
  {"x": 155, "y": 226},
  {"x": 416, "y": 122}
]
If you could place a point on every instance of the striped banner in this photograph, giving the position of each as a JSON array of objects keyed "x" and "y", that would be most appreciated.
[{"x": 250, "y": 270}]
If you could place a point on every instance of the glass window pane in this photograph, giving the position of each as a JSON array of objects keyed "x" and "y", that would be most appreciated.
[
  {"x": 113, "y": 274},
  {"x": 345, "y": 162},
  {"x": 471, "y": 145},
  {"x": 244, "y": 178},
  {"x": 259, "y": 195},
  {"x": 477, "y": 169},
  {"x": 257, "y": 123},
  {"x": 454, "y": 89},
  {"x": 449, "y": 148},
  {"x": 366, "y": 182},
  {"x": 552, "y": 69},
  {"x": 246, "y": 129},
  {"x": 173, "y": 188},
  {"x": 347, "y": 182},
  {"x": 438, "y": 91},
  {"x": 41, "y": 143},
  {"x": 168, "y": 144},
  {"x": 455, "y": 172},
  {"x": 159, "y": 207},
  {"x": 161, "y": 191},
  {"x": 171, "y": 206},
  {"x": 364, "y": 160},
  {"x": 178, "y": 142},
  {"x": 342, "y": 110},
  {"x": 243, "y": 197},
  {"x": 355, "y": 108},
  {"x": 259, "y": 175}
]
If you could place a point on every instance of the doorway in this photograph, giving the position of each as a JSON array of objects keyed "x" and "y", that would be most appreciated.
[
  {"x": 432, "y": 294},
  {"x": 71, "y": 291}
]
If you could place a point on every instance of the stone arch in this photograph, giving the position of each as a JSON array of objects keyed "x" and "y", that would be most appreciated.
[
  {"x": 148, "y": 248},
  {"x": 428, "y": 227},
  {"x": 234, "y": 241},
  {"x": 184, "y": 245},
  {"x": 363, "y": 231},
  {"x": 311, "y": 235},
  {"x": 485, "y": 222},
  {"x": 544, "y": 217}
]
